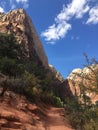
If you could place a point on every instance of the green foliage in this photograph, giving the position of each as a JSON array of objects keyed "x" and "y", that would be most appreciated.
[
  {"x": 82, "y": 113},
  {"x": 8, "y": 46},
  {"x": 80, "y": 117},
  {"x": 51, "y": 98},
  {"x": 57, "y": 102},
  {"x": 10, "y": 67},
  {"x": 10, "y": 56},
  {"x": 30, "y": 79},
  {"x": 27, "y": 76},
  {"x": 27, "y": 85},
  {"x": 92, "y": 121}
]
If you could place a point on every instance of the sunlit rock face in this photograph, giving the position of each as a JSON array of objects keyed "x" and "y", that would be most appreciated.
[
  {"x": 56, "y": 73},
  {"x": 20, "y": 24},
  {"x": 86, "y": 77}
]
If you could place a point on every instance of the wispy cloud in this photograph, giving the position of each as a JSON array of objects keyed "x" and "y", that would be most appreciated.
[
  {"x": 12, "y": 4},
  {"x": 56, "y": 31},
  {"x": 93, "y": 16},
  {"x": 2, "y": 6},
  {"x": 75, "y": 38},
  {"x": 77, "y": 8},
  {"x": 1, "y": 9},
  {"x": 23, "y": 2}
]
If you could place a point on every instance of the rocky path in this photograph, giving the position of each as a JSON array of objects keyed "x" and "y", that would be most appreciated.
[
  {"x": 56, "y": 120},
  {"x": 18, "y": 114}
]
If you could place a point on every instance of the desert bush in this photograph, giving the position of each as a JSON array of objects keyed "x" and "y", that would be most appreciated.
[
  {"x": 57, "y": 102},
  {"x": 52, "y": 99},
  {"x": 82, "y": 113}
]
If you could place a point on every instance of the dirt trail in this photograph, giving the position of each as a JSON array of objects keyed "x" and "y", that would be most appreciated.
[
  {"x": 56, "y": 120},
  {"x": 18, "y": 114}
]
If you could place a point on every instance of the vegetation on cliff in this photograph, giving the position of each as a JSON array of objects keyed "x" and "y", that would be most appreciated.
[
  {"x": 82, "y": 112},
  {"x": 26, "y": 76},
  {"x": 30, "y": 78}
]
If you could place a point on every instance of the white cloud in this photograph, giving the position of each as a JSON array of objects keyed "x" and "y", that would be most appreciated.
[
  {"x": 21, "y": 1},
  {"x": 2, "y": 6},
  {"x": 54, "y": 32},
  {"x": 77, "y": 8},
  {"x": 12, "y": 4},
  {"x": 1, "y": 10},
  {"x": 93, "y": 16}
]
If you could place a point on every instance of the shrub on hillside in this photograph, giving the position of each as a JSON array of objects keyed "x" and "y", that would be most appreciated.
[{"x": 82, "y": 113}]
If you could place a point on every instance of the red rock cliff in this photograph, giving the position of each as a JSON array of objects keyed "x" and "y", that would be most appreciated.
[{"x": 20, "y": 24}]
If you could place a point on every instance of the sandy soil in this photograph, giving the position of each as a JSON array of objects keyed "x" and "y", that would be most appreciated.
[{"x": 18, "y": 114}]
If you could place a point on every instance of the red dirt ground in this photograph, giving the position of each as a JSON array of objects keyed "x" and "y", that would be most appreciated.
[{"x": 16, "y": 113}]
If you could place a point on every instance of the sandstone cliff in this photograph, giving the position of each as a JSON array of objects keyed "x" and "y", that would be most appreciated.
[
  {"x": 56, "y": 73},
  {"x": 20, "y": 24},
  {"x": 87, "y": 77},
  {"x": 61, "y": 85}
]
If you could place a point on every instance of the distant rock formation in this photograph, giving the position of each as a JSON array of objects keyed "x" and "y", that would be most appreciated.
[
  {"x": 60, "y": 84},
  {"x": 56, "y": 73},
  {"x": 65, "y": 91},
  {"x": 20, "y": 24},
  {"x": 86, "y": 77}
]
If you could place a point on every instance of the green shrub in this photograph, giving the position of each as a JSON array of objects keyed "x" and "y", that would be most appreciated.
[
  {"x": 10, "y": 67},
  {"x": 50, "y": 98},
  {"x": 82, "y": 113},
  {"x": 57, "y": 101}
]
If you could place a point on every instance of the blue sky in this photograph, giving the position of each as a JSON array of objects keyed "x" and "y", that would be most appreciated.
[{"x": 67, "y": 28}]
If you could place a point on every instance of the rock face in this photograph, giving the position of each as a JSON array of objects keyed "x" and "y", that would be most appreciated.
[
  {"x": 61, "y": 85},
  {"x": 56, "y": 73},
  {"x": 65, "y": 90},
  {"x": 86, "y": 77},
  {"x": 20, "y": 24}
]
